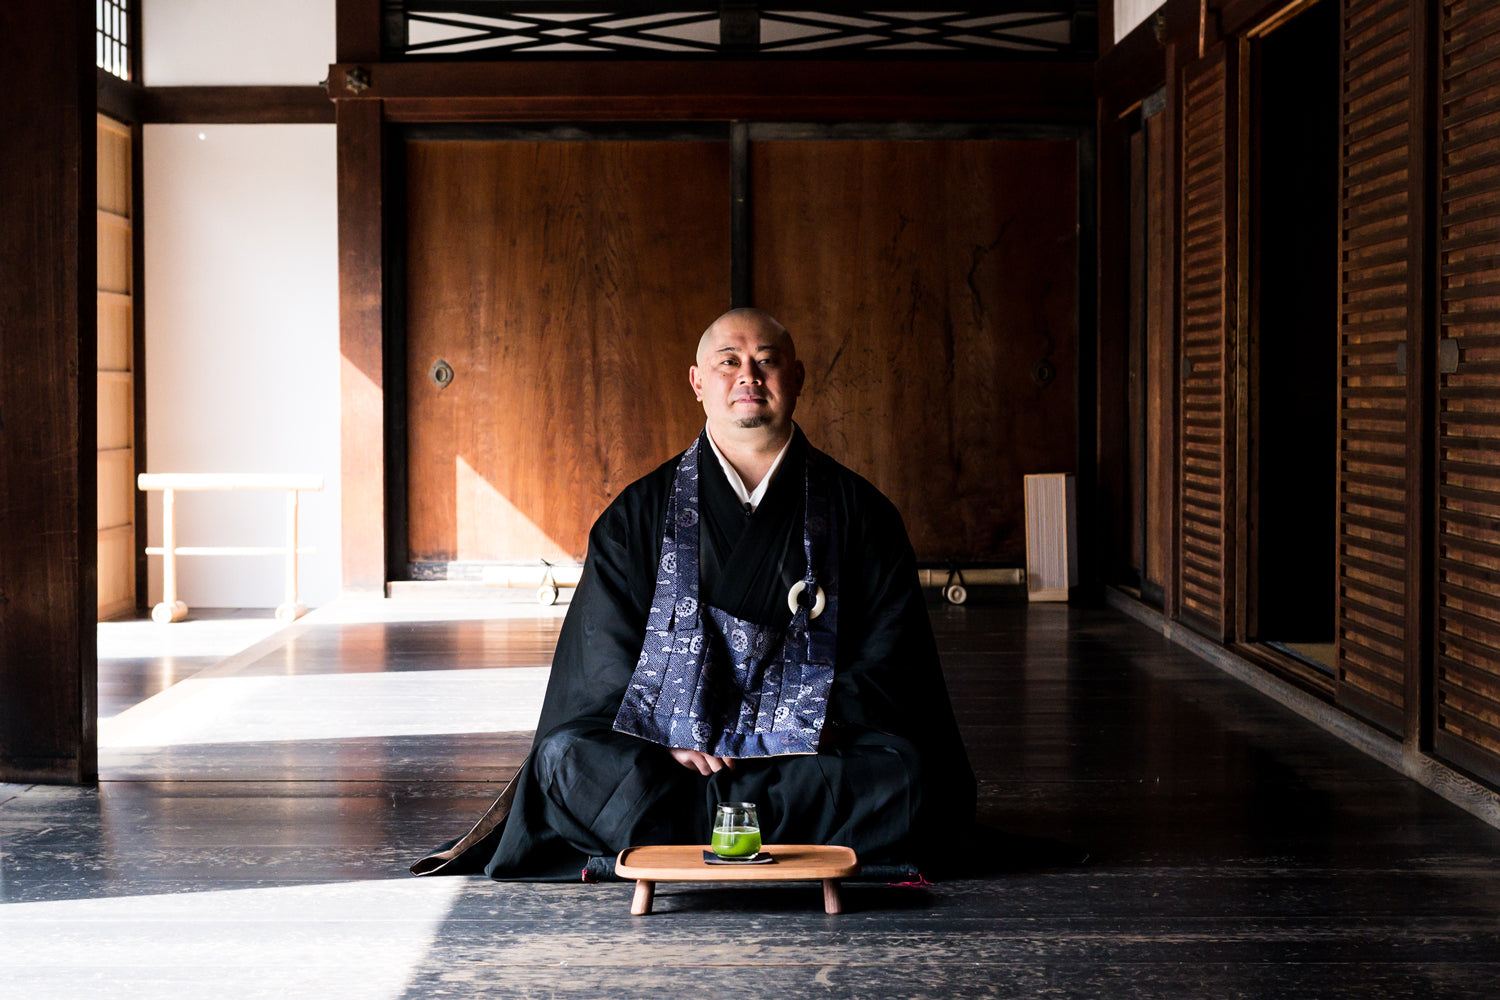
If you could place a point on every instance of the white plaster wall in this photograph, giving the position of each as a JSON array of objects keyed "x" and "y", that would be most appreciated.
[
  {"x": 242, "y": 359},
  {"x": 236, "y": 42},
  {"x": 1129, "y": 13}
]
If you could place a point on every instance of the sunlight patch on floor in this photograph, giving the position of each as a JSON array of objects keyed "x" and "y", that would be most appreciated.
[
  {"x": 215, "y": 710},
  {"x": 222, "y": 637},
  {"x": 344, "y": 941}
]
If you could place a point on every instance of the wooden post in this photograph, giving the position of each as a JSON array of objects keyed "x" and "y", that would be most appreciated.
[
  {"x": 361, "y": 345},
  {"x": 831, "y": 901},
  {"x": 48, "y": 439}
]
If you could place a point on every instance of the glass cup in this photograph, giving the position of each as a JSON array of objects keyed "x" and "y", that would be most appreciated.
[{"x": 736, "y": 830}]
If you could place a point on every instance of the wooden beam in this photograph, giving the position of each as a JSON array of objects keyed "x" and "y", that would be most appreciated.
[
  {"x": 1250, "y": 17},
  {"x": 763, "y": 91},
  {"x": 236, "y": 105},
  {"x": 361, "y": 331},
  {"x": 47, "y": 423},
  {"x": 120, "y": 99},
  {"x": 357, "y": 30}
]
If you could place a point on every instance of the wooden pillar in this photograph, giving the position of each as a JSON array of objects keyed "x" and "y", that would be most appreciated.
[
  {"x": 361, "y": 212},
  {"x": 48, "y": 710}
]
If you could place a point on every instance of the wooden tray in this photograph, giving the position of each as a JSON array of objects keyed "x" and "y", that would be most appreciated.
[{"x": 684, "y": 863}]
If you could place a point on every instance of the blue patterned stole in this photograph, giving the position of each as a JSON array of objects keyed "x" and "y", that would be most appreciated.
[{"x": 720, "y": 684}]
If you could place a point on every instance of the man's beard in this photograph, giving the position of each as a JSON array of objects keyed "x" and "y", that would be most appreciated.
[{"x": 759, "y": 420}]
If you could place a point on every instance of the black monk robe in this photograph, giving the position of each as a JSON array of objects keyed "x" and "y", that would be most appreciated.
[{"x": 891, "y": 778}]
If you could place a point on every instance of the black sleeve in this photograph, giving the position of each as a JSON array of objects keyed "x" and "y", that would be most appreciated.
[
  {"x": 889, "y": 678},
  {"x": 606, "y": 620}
]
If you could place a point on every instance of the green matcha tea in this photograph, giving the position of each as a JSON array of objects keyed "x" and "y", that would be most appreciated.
[{"x": 736, "y": 842}]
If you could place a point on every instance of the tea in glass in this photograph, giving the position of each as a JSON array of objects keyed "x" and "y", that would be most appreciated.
[{"x": 736, "y": 832}]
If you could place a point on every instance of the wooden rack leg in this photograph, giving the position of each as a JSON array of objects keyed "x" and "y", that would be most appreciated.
[
  {"x": 290, "y": 610},
  {"x": 170, "y": 609},
  {"x": 645, "y": 891},
  {"x": 831, "y": 901}
]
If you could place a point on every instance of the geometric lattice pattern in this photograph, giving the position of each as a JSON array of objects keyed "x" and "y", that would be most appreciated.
[
  {"x": 112, "y": 37},
  {"x": 506, "y": 29}
]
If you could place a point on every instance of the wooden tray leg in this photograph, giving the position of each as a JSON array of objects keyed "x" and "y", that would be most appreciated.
[
  {"x": 645, "y": 890},
  {"x": 831, "y": 901}
]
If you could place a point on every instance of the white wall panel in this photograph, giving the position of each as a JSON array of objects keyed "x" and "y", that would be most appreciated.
[
  {"x": 242, "y": 361},
  {"x": 236, "y": 42}
]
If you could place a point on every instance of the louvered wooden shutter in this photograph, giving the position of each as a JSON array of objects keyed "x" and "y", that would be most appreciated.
[
  {"x": 1207, "y": 303},
  {"x": 1467, "y": 709},
  {"x": 1379, "y": 303}
]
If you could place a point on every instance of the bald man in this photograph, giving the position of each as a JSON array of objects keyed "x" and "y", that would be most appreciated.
[{"x": 748, "y": 627}]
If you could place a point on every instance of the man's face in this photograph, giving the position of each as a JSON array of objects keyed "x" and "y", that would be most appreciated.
[{"x": 747, "y": 376}]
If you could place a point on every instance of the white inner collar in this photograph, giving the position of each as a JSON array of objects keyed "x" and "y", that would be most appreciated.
[{"x": 750, "y": 498}]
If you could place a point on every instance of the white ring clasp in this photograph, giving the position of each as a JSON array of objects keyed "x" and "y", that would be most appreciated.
[{"x": 796, "y": 592}]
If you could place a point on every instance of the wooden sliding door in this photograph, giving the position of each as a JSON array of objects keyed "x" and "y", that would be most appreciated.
[
  {"x": 555, "y": 291},
  {"x": 931, "y": 286},
  {"x": 1467, "y": 696},
  {"x": 555, "y": 294},
  {"x": 1209, "y": 307},
  {"x": 116, "y": 369},
  {"x": 1380, "y": 313}
]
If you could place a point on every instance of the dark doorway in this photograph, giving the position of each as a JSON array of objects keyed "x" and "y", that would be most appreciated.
[{"x": 1294, "y": 368}]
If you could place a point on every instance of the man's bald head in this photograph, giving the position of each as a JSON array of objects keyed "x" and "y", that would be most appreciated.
[
  {"x": 773, "y": 333},
  {"x": 747, "y": 377}
]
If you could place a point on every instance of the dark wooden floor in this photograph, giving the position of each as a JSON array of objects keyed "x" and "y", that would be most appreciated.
[{"x": 1164, "y": 831}]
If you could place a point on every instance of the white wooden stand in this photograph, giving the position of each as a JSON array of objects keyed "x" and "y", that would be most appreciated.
[{"x": 173, "y": 610}]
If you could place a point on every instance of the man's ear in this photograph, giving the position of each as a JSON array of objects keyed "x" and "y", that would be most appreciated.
[
  {"x": 801, "y": 376},
  {"x": 693, "y": 381}
]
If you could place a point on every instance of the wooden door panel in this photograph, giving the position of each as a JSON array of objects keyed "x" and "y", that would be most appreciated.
[
  {"x": 1160, "y": 377},
  {"x": 565, "y": 284},
  {"x": 924, "y": 281},
  {"x": 1205, "y": 414},
  {"x": 1467, "y": 696},
  {"x": 115, "y": 378},
  {"x": 1379, "y": 296}
]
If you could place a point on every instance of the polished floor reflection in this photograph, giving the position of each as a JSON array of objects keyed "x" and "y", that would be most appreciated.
[{"x": 1158, "y": 830}]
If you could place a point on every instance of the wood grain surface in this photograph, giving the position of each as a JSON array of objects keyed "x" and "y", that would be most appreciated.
[
  {"x": 684, "y": 863},
  {"x": 361, "y": 194},
  {"x": 47, "y": 358},
  {"x": 1205, "y": 415},
  {"x": 1467, "y": 719},
  {"x": 566, "y": 284},
  {"x": 922, "y": 282},
  {"x": 1379, "y": 302},
  {"x": 1160, "y": 372},
  {"x": 117, "y": 222}
]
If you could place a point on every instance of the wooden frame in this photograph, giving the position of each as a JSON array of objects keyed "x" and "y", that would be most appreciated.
[{"x": 1059, "y": 93}]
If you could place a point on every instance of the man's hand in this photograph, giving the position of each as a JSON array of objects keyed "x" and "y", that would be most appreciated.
[{"x": 701, "y": 762}]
